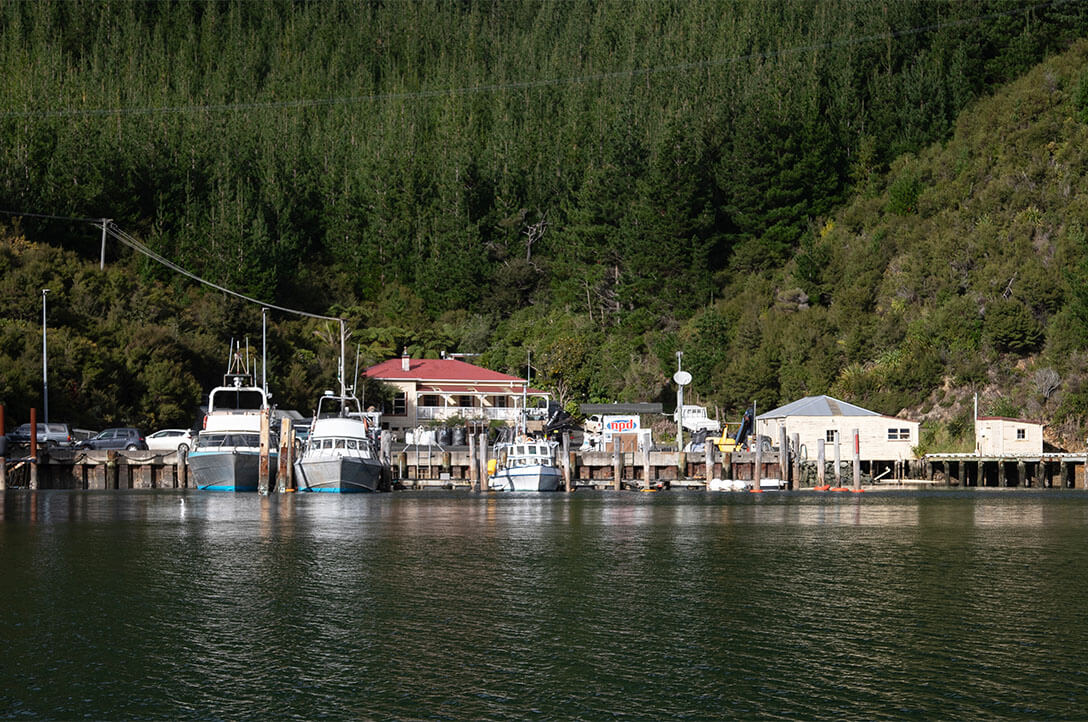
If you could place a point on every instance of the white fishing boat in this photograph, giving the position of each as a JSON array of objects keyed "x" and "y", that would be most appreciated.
[
  {"x": 339, "y": 456},
  {"x": 526, "y": 465},
  {"x": 227, "y": 454}
]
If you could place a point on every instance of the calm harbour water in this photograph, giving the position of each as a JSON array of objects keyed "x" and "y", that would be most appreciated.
[{"x": 453, "y": 605}]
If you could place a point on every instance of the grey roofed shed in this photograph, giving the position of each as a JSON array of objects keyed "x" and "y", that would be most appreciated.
[{"x": 817, "y": 406}]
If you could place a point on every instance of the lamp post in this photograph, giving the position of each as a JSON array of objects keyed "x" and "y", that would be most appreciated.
[
  {"x": 45, "y": 363},
  {"x": 682, "y": 379}
]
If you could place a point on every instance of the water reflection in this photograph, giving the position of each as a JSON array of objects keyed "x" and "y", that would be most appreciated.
[{"x": 500, "y": 606}]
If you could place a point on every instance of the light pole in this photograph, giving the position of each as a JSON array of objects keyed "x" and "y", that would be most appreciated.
[
  {"x": 682, "y": 379},
  {"x": 45, "y": 363}
]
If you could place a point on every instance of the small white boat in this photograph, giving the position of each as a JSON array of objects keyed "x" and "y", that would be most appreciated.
[
  {"x": 526, "y": 465},
  {"x": 339, "y": 454}
]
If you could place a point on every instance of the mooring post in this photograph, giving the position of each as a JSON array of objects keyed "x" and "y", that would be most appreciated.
[
  {"x": 757, "y": 470},
  {"x": 263, "y": 471},
  {"x": 646, "y": 473},
  {"x": 821, "y": 462},
  {"x": 980, "y": 474},
  {"x": 783, "y": 455},
  {"x": 483, "y": 461},
  {"x": 727, "y": 465},
  {"x": 1021, "y": 473},
  {"x": 287, "y": 445},
  {"x": 183, "y": 468},
  {"x": 681, "y": 464},
  {"x": 711, "y": 455},
  {"x": 795, "y": 455},
  {"x": 33, "y": 448},
  {"x": 473, "y": 467},
  {"x": 617, "y": 465},
  {"x": 838, "y": 463},
  {"x": 568, "y": 477},
  {"x": 3, "y": 453},
  {"x": 857, "y": 458},
  {"x": 1063, "y": 473}
]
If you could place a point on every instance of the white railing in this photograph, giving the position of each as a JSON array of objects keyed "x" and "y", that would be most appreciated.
[{"x": 435, "y": 413}]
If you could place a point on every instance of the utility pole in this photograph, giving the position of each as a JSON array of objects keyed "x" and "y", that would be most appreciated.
[{"x": 45, "y": 362}]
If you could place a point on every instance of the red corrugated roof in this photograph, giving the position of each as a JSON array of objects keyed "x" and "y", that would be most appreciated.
[{"x": 438, "y": 370}]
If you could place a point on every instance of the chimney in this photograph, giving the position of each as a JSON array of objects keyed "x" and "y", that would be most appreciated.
[{"x": 404, "y": 360}]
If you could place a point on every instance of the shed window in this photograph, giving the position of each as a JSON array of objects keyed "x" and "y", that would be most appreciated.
[
  {"x": 898, "y": 434},
  {"x": 1021, "y": 434},
  {"x": 829, "y": 436}
]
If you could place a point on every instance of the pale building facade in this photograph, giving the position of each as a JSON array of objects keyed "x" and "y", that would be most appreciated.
[
  {"x": 1001, "y": 436},
  {"x": 880, "y": 437}
]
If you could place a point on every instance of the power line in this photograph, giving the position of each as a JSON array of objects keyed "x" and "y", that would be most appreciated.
[
  {"x": 525, "y": 84},
  {"x": 111, "y": 228}
]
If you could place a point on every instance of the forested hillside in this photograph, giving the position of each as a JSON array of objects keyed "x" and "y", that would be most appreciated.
[{"x": 801, "y": 196}]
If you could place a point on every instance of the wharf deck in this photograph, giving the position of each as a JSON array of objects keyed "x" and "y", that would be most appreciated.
[{"x": 454, "y": 467}]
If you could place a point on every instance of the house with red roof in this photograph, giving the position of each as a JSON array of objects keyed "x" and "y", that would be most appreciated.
[{"x": 438, "y": 389}]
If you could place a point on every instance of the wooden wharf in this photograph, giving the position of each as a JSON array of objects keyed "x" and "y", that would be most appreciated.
[{"x": 423, "y": 467}]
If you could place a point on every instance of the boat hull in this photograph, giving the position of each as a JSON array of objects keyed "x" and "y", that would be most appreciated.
[
  {"x": 527, "y": 478},
  {"x": 346, "y": 475},
  {"x": 229, "y": 470}
]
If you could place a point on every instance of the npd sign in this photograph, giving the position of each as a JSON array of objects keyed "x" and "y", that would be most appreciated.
[{"x": 621, "y": 424}]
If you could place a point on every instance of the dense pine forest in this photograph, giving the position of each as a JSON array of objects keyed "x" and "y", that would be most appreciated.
[{"x": 880, "y": 200}]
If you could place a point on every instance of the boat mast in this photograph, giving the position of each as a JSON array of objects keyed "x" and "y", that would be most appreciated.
[{"x": 343, "y": 381}]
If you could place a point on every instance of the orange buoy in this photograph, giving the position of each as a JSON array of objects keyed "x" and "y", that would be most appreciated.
[
  {"x": 824, "y": 487},
  {"x": 840, "y": 488},
  {"x": 755, "y": 491},
  {"x": 857, "y": 491}
]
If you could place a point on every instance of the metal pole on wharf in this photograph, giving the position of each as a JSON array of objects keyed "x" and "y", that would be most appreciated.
[
  {"x": 821, "y": 462},
  {"x": 3, "y": 453},
  {"x": 45, "y": 363}
]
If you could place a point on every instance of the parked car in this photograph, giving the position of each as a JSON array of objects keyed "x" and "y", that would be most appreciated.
[
  {"x": 170, "y": 440},
  {"x": 48, "y": 434},
  {"x": 119, "y": 438}
]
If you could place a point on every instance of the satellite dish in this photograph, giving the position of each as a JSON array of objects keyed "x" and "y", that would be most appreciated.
[{"x": 682, "y": 377}]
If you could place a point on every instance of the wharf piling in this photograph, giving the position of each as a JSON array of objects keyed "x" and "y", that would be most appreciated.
[{"x": 467, "y": 467}]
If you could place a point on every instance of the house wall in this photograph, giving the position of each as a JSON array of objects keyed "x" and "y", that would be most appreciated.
[
  {"x": 873, "y": 441},
  {"x": 997, "y": 437}
]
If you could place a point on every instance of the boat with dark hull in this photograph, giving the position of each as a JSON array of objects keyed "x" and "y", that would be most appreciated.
[
  {"x": 227, "y": 454},
  {"x": 338, "y": 456}
]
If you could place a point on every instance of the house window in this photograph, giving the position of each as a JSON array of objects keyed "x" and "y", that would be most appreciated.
[
  {"x": 1021, "y": 434},
  {"x": 898, "y": 434},
  {"x": 465, "y": 402},
  {"x": 499, "y": 402},
  {"x": 429, "y": 400},
  {"x": 399, "y": 406},
  {"x": 829, "y": 436}
]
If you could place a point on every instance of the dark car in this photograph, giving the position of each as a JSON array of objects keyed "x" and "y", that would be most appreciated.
[
  {"x": 48, "y": 435},
  {"x": 119, "y": 438}
]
